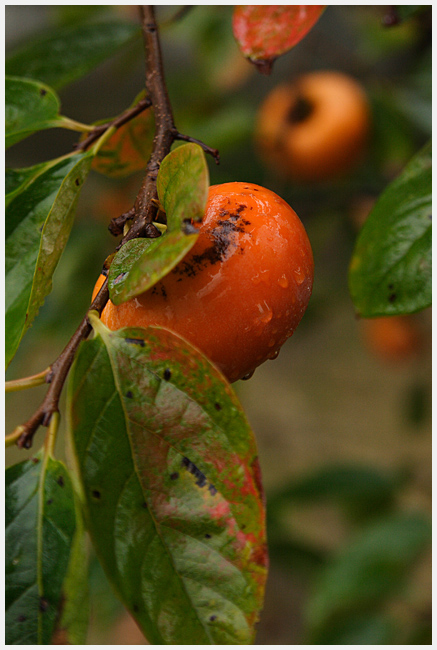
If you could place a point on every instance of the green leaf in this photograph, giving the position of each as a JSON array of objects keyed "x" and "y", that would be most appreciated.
[
  {"x": 40, "y": 525},
  {"x": 359, "y": 629},
  {"x": 371, "y": 568},
  {"x": 172, "y": 486},
  {"x": 72, "y": 626},
  {"x": 182, "y": 183},
  {"x": 63, "y": 55},
  {"x": 264, "y": 32},
  {"x": 361, "y": 489},
  {"x": 30, "y": 106},
  {"x": 39, "y": 217},
  {"x": 390, "y": 270}
]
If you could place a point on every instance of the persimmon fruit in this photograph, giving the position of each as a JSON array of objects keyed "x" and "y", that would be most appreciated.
[
  {"x": 241, "y": 290},
  {"x": 392, "y": 338},
  {"x": 314, "y": 128}
]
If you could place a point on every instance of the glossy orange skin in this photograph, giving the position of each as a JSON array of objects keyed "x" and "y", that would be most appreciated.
[
  {"x": 325, "y": 143},
  {"x": 241, "y": 290}
]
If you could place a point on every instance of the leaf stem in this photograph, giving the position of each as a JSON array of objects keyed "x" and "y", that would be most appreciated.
[
  {"x": 50, "y": 440},
  {"x": 26, "y": 382},
  {"x": 68, "y": 123}
]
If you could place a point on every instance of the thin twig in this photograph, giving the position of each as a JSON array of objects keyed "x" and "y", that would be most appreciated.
[
  {"x": 187, "y": 138},
  {"x": 117, "y": 123}
]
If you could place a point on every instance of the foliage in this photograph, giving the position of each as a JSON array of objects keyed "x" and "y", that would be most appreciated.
[{"x": 163, "y": 473}]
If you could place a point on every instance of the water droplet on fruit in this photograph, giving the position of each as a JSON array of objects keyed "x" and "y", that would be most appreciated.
[
  {"x": 274, "y": 356},
  {"x": 299, "y": 275},
  {"x": 283, "y": 281},
  {"x": 265, "y": 312},
  {"x": 248, "y": 375}
]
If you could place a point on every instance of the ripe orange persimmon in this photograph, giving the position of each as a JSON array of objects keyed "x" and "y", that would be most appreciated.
[
  {"x": 241, "y": 290},
  {"x": 314, "y": 128}
]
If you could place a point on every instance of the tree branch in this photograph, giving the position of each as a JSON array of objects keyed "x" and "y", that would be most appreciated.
[{"x": 143, "y": 214}]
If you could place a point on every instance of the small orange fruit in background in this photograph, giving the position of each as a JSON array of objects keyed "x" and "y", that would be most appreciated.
[
  {"x": 392, "y": 338},
  {"x": 242, "y": 289},
  {"x": 315, "y": 128}
]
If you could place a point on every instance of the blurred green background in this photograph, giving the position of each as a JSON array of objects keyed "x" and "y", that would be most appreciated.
[{"x": 344, "y": 432}]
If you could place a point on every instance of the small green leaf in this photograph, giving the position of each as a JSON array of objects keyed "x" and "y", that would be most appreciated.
[
  {"x": 390, "y": 270},
  {"x": 40, "y": 526},
  {"x": 264, "y": 32},
  {"x": 182, "y": 183},
  {"x": 39, "y": 217},
  {"x": 371, "y": 568},
  {"x": 30, "y": 106},
  {"x": 65, "y": 54},
  {"x": 171, "y": 481}
]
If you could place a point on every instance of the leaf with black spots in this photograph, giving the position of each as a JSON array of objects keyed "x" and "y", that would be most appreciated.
[{"x": 172, "y": 486}]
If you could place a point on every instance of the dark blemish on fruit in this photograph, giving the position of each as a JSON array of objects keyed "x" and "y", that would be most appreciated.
[
  {"x": 144, "y": 505},
  {"x": 43, "y": 92},
  {"x": 21, "y": 618},
  {"x": 224, "y": 240},
  {"x": 129, "y": 394},
  {"x": 174, "y": 476},
  {"x": 212, "y": 489},
  {"x": 213, "y": 617},
  {"x": 96, "y": 494},
  {"x": 139, "y": 342},
  {"x": 43, "y": 604},
  {"x": 167, "y": 374},
  {"x": 105, "y": 272},
  {"x": 77, "y": 182},
  {"x": 392, "y": 297},
  {"x": 207, "y": 536},
  {"x": 241, "y": 207},
  {"x": 49, "y": 502},
  {"x": 60, "y": 481},
  {"x": 159, "y": 288},
  {"x": 188, "y": 227},
  {"x": 195, "y": 471},
  {"x": 35, "y": 461},
  {"x": 217, "y": 406},
  {"x": 300, "y": 110}
]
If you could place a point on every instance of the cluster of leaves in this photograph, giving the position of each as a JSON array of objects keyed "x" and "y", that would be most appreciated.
[{"x": 168, "y": 479}]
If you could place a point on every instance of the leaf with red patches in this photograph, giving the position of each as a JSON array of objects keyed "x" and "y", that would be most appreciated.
[
  {"x": 174, "y": 504},
  {"x": 264, "y": 32},
  {"x": 128, "y": 150}
]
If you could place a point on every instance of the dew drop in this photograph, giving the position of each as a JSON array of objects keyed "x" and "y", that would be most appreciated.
[
  {"x": 248, "y": 375},
  {"x": 283, "y": 281},
  {"x": 274, "y": 356},
  {"x": 299, "y": 275}
]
